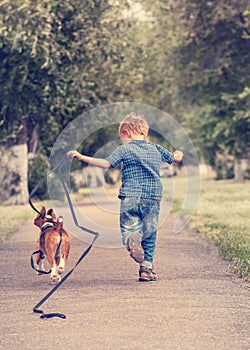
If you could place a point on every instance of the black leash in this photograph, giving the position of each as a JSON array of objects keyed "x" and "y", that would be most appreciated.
[
  {"x": 96, "y": 235},
  {"x": 41, "y": 272}
]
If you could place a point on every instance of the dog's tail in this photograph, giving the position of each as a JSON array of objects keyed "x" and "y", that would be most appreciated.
[
  {"x": 59, "y": 223},
  {"x": 65, "y": 242}
]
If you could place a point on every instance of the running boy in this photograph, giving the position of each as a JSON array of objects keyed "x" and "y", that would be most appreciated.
[{"x": 141, "y": 189}]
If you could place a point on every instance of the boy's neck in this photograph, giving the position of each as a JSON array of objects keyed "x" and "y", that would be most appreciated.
[
  {"x": 135, "y": 137},
  {"x": 126, "y": 138}
]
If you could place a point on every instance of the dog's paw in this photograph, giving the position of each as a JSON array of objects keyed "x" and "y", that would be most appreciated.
[{"x": 55, "y": 279}]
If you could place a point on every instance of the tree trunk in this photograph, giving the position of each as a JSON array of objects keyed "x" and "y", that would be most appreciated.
[
  {"x": 14, "y": 171},
  {"x": 240, "y": 166},
  {"x": 34, "y": 142},
  {"x": 14, "y": 175}
]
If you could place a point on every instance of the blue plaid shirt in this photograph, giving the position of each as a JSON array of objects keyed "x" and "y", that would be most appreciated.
[{"x": 141, "y": 167}]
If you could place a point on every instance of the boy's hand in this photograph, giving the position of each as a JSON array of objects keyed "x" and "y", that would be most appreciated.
[
  {"x": 73, "y": 154},
  {"x": 178, "y": 155}
]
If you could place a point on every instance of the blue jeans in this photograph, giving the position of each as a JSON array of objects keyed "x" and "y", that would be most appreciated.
[{"x": 140, "y": 215}]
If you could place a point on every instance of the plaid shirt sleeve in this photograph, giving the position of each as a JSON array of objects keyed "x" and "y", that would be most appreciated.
[
  {"x": 115, "y": 157},
  {"x": 166, "y": 156}
]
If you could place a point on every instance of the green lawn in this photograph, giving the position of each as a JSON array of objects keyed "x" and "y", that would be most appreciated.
[{"x": 222, "y": 216}]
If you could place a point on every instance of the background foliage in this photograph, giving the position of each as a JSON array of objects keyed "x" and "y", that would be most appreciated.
[{"x": 189, "y": 58}]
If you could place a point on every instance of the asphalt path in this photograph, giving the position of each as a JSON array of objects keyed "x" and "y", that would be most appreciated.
[{"x": 195, "y": 304}]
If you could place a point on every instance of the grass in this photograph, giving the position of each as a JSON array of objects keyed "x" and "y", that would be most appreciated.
[
  {"x": 11, "y": 217},
  {"x": 222, "y": 216}
]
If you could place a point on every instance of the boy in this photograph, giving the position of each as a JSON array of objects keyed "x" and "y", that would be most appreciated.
[{"x": 141, "y": 189}]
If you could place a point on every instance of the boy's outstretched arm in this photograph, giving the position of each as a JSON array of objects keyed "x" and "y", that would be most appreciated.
[
  {"x": 177, "y": 156},
  {"x": 100, "y": 162}
]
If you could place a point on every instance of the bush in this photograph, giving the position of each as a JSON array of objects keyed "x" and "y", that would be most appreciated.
[{"x": 38, "y": 168}]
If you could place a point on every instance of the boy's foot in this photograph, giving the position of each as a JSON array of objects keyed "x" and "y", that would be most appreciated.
[
  {"x": 135, "y": 248},
  {"x": 147, "y": 275}
]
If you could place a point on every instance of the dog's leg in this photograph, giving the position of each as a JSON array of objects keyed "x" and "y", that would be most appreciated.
[
  {"x": 65, "y": 247},
  {"x": 40, "y": 266},
  {"x": 40, "y": 261},
  {"x": 61, "y": 258},
  {"x": 54, "y": 277},
  {"x": 61, "y": 266}
]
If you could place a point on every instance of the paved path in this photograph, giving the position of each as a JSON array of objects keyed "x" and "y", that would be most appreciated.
[{"x": 195, "y": 304}]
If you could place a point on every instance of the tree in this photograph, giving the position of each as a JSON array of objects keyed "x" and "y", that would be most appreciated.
[
  {"x": 214, "y": 66},
  {"x": 56, "y": 59},
  {"x": 205, "y": 45}
]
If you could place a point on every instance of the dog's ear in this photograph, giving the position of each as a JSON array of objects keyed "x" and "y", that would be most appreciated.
[
  {"x": 52, "y": 214},
  {"x": 49, "y": 212},
  {"x": 39, "y": 219},
  {"x": 43, "y": 211}
]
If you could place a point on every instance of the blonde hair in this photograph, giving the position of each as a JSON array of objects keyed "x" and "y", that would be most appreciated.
[{"x": 135, "y": 123}]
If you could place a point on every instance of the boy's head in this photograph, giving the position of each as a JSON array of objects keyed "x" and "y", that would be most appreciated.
[{"x": 135, "y": 124}]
